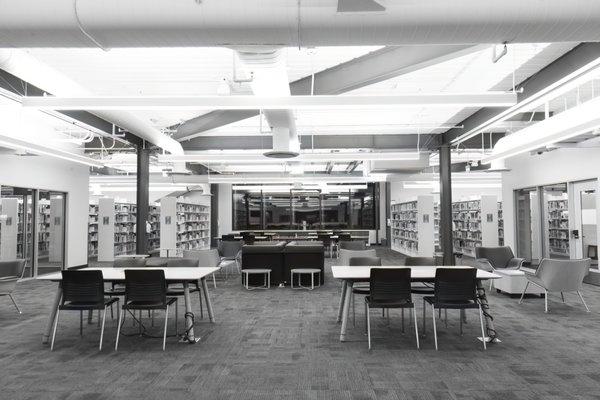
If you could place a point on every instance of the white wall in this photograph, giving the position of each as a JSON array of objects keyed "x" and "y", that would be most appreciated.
[
  {"x": 225, "y": 205},
  {"x": 558, "y": 166},
  {"x": 398, "y": 194},
  {"x": 52, "y": 174}
]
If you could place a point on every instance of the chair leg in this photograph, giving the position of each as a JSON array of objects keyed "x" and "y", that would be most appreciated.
[
  {"x": 120, "y": 313},
  {"x": 80, "y": 323},
  {"x": 165, "y": 330},
  {"x": 369, "y": 326},
  {"x": 414, "y": 313},
  {"x": 460, "y": 317},
  {"x": 176, "y": 318},
  {"x": 402, "y": 319},
  {"x": 434, "y": 327},
  {"x": 482, "y": 328},
  {"x": 214, "y": 281},
  {"x": 545, "y": 301},
  {"x": 425, "y": 317},
  {"x": 446, "y": 317},
  {"x": 353, "y": 310},
  {"x": 524, "y": 290},
  {"x": 583, "y": 301},
  {"x": 366, "y": 322},
  {"x": 102, "y": 329},
  {"x": 54, "y": 330},
  {"x": 98, "y": 318},
  {"x": 201, "y": 308},
  {"x": 562, "y": 296},
  {"x": 14, "y": 303},
  {"x": 491, "y": 284}
]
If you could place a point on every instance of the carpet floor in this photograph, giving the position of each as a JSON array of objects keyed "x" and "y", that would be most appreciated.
[{"x": 284, "y": 344}]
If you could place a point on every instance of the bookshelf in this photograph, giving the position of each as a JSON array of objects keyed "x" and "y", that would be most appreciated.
[
  {"x": 412, "y": 227},
  {"x": 153, "y": 233},
  {"x": 125, "y": 228},
  {"x": 93, "y": 231},
  {"x": 475, "y": 223},
  {"x": 184, "y": 225},
  {"x": 558, "y": 227},
  {"x": 500, "y": 225}
]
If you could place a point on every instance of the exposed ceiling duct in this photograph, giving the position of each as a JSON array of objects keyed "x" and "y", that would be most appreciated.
[
  {"x": 116, "y": 23},
  {"x": 359, "y": 6},
  {"x": 267, "y": 67},
  {"x": 30, "y": 69}
]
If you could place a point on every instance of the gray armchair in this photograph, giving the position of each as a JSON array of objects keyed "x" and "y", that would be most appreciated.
[
  {"x": 492, "y": 258},
  {"x": 10, "y": 273},
  {"x": 231, "y": 254},
  {"x": 345, "y": 255},
  {"x": 559, "y": 276},
  {"x": 206, "y": 259}
]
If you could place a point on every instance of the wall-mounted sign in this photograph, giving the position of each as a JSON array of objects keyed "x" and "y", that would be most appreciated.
[
  {"x": 105, "y": 220},
  {"x": 490, "y": 217},
  {"x": 168, "y": 220},
  {"x": 56, "y": 220},
  {"x": 425, "y": 218}
]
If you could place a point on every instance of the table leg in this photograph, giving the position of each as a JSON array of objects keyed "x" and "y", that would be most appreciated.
[
  {"x": 189, "y": 322},
  {"x": 492, "y": 336},
  {"x": 211, "y": 315},
  {"x": 50, "y": 323},
  {"x": 345, "y": 311},
  {"x": 341, "y": 307}
]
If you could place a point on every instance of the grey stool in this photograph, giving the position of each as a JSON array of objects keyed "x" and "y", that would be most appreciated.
[
  {"x": 265, "y": 272},
  {"x": 305, "y": 271}
]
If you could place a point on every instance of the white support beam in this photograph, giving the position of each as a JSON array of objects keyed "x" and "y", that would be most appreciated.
[{"x": 485, "y": 99}]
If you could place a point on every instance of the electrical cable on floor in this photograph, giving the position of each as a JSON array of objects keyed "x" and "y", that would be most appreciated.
[{"x": 184, "y": 336}]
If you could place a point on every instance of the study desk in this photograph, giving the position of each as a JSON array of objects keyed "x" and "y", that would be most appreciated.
[
  {"x": 185, "y": 276},
  {"x": 352, "y": 274}
]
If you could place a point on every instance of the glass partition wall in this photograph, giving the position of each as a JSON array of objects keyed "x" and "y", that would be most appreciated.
[
  {"x": 32, "y": 227},
  {"x": 557, "y": 221},
  {"x": 298, "y": 209}
]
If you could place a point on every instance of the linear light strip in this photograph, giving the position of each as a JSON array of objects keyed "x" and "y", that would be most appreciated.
[{"x": 486, "y": 99}]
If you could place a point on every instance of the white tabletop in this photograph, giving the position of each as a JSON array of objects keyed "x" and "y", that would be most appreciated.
[
  {"x": 118, "y": 274},
  {"x": 357, "y": 272}
]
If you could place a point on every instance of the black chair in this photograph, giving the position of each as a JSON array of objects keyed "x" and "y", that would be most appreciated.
[
  {"x": 455, "y": 288},
  {"x": 146, "y": 290},
  {"x": 421, "y": 288},
  {"x": 229, "y": 237},
  {"x": 345, "y": 237},
  {"x": 327, "y": 242},
  {"x": 390, "y": 288},
  {"x": 362, "y": 289},
  {"x": 248, "y": 237},
  {"x": 83, "y": 291},
  {"x": 118, "y": 289}
]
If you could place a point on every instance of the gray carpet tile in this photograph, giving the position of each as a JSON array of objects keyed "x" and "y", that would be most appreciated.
[{"x": 284, "y": 344}]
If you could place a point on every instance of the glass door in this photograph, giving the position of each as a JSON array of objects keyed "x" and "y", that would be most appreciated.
[
  {"x": 306, "y": 209},
  {"x": 585, "y": 221},
  {"x": 528, "y": 224},
  {"x": 16, "y": 226},
  {"x": 50, "y": 231}
]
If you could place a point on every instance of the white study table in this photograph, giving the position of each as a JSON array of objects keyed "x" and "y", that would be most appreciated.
[
  {"x": 185, "y": 276},
  {"x": 352, "y": 274}
]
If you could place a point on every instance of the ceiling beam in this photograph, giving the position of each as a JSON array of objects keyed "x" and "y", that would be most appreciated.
[
  {"x": 371, "y": 68},
  {"x": 563, "y": 66}
]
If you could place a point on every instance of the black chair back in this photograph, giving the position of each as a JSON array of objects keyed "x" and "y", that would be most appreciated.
[
  {"x": 365, "y": 261},
  {"x": 390, "y": 285},
  {"x": 326, "y": 239},
  {"x": 248, "y": 237},
  {"x": 82, "y": 287},
  {"x": 455, "y": 285},
  {"x": 345, "y": 237},
  {"x": 420, "y": 261},
  {"x": 145, "y": 286},
  {"x": 228, "y": 237}
]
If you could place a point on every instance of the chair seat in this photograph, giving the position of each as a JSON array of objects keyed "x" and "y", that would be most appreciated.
[
  {"x": 140, "y": 305},
  {"x": 388, "y": 304},
  {"x": 451, "y": 304},
  {"x": 361, "y": 290},
  {"x": 86, "y": 306}
]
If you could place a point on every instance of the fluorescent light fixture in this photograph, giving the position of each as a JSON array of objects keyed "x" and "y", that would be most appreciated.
[
  {"x": 567, "y": 83},
  {"x": 133, "y": 189},
  {"x": 17, "y": 144},
  {"x": 573, "y": 122},
  {"x": 243, "y": 157},
  {"x": 326, "y": 102}
]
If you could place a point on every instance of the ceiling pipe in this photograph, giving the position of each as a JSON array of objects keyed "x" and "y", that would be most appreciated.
[
  {"x": 30, "y": 69},
  {"x": 144, "y": 23},
  {"x": 268, "y": 69}
]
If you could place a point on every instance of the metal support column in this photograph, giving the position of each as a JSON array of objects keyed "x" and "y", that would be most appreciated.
[
  {"x": 143, "y": 197},
  {"x": 446, "y": 241}
]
